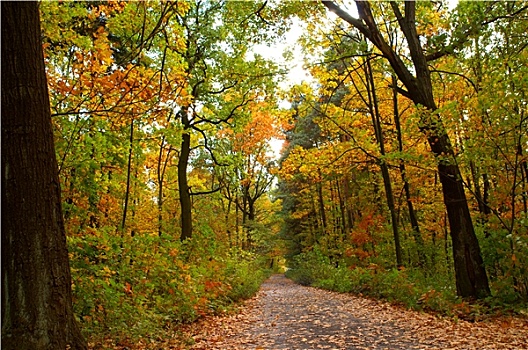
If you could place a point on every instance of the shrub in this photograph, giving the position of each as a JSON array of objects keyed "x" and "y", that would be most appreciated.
[
  {"x": 411, "y": 288},
  {"x": 135, "y": 286},
  {"x": 245, "y": 275}
]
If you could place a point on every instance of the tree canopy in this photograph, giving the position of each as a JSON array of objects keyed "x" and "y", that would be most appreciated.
[{"x": 404, "y": 157}]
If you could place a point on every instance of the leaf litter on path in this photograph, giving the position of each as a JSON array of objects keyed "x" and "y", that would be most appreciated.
[{"x": 284, "y": 315}]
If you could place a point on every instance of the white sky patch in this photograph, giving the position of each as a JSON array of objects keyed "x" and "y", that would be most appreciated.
[
  {"x": 278, "y": 53},
  {"x": 451, "y": 4},
  {"x": 276, "y": 147}
]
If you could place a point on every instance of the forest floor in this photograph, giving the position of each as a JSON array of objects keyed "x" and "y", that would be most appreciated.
[{"x": 284, "y": 315}]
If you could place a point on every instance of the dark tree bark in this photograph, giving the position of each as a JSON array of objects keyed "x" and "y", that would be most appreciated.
[
  {"x": 183, "y": 185},
  {"x": 37, "y": 310},
  {"x": 129, "y": 172},
  {"x": 471, "y": 277}
]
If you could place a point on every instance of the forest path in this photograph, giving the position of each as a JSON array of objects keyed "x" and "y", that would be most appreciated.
[{"x": 285, "y": 315}]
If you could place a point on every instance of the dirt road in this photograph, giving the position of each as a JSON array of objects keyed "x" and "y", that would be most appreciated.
[{"x": 285, "y": 315}]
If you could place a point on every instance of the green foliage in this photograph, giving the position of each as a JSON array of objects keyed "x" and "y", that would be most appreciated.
[
  {"x": 136, "y": 286},
  {"x": 309, "y": 267},
  {"x": 394, "y": 285},
  {"x": 410, "y": 287},
  {"x": 506, "y": 255},
  {"x": 245, "y": 275}
]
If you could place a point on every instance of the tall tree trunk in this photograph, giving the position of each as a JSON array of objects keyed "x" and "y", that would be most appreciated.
[
  {"x": 162, "y": 168},
  {"x": 471, "y": 277},
  {"x": 484, "y": 208},
  {"x": 348, "y": 198},
  {"x": 314, "y": 222},
  {"x": 129, "y": 171},
  {"x": 37, "y": 310},
  {"x": 251, "y": 218},
  {"x": 237, "y": 223},
  {"x": 322, "y": 211},
  {"x": 342, "y": 210},
  {"x": 183, "y": 185},
  {"x": 376, "y": 123},
  {"x": 229, "y": 238},
  {"x": 403, "y": 173}
]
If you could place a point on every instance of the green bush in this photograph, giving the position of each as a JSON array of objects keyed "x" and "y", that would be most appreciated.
[
  {"x": 309, "y": 267},
  {"x": 135, "y": 286},
  {"x": 415, "y": 288},
  {"x": 506, "y": 259},
  {"x": 245, "y": 275},
  {"x": 411, "y": 288}
]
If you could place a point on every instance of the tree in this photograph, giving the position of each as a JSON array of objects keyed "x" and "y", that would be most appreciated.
[
  {"x": 491, "y": 125},
  {"x": 471, "y": 277},
  {"x": 250, "y": 175},
  {"x": 37, "y": 310},
  {"x": 112, "y": 106},
  {"x": 221, "y": 79}
]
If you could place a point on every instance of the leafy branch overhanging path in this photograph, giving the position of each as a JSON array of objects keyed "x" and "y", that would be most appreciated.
[{"x": 285, "y": 315}]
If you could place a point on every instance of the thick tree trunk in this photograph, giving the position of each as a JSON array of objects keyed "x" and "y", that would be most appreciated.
[
  {"x": 37, "y": 310},
  {"x": 471, "y": 277},
  {"x": 183, "y": 188}
]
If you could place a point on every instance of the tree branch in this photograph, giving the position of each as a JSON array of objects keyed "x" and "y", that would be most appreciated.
[
  {"x": 203, "y": 192},
  {"x": 333, "y": 7}
]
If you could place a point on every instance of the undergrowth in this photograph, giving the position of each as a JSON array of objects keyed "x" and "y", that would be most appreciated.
[
  {"x": 409, "y": 287},
  {"x": 136, "y": 287}
]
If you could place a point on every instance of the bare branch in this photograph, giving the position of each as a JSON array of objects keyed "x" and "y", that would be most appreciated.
[{"x": 204, "y": 192}]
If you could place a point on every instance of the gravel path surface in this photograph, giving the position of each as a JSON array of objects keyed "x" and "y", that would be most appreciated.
[{"x": 285, "y": 315}]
